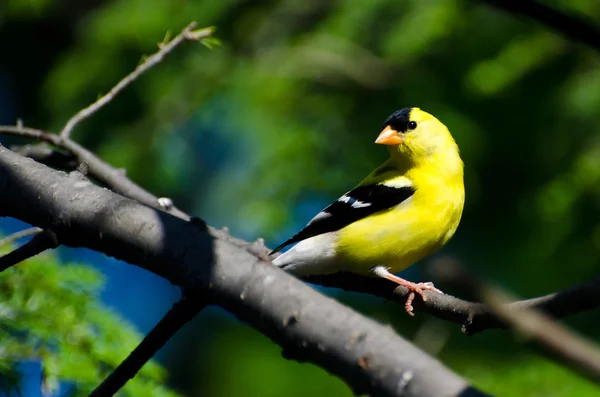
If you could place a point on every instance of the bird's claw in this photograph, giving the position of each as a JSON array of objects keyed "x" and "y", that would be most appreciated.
[
  {"x": 413, "y": 288},
  {"x": 428, "y": 286},
  {"x": 417, "y": 288},
  {"x": 408, "y": 304}
]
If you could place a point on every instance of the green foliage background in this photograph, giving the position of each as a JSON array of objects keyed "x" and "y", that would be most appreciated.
[
  {"x": 51, "y": 314},
  {"x": 262, "y": 131}
]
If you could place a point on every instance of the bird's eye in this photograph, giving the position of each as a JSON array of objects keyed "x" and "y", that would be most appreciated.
[{"x": 412, "y": 125}]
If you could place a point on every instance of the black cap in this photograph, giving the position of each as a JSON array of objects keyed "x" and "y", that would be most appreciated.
[{"x": 398, "y": 120}]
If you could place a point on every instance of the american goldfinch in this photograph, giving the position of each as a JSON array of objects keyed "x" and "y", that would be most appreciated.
[{"x": 406, "y": 209}]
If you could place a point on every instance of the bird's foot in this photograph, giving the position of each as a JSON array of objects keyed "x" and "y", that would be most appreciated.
[
  {"x": 413, "y": 288},
  {"x": 416, "y": 288}
]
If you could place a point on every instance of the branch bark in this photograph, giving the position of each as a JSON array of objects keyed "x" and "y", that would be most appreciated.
[{"x": 370, "y": 357}]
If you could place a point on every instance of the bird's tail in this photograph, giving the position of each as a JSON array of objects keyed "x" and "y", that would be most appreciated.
[{"x": 311, "y": 256}]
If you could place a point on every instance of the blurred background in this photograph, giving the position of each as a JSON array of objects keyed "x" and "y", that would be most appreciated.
[{"x": 260, "y": 133}]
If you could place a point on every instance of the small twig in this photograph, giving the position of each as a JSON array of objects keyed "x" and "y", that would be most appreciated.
[
  {"x": 100, "y": 170},
  {"x": 32, "y": 133},
  {"x": 553, "y": 338},
  {"x": 179, "y": 315},
  {"x": 153, "y": 60},
  {"x": 570, "y": 25},
  {"x": 23, "y": 233},
  {"x": 103, "y": 172},
  {"x": 38, "y": 244}
]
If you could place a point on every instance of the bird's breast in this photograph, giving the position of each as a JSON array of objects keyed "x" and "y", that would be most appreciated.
[{"x": 400, "y": 236}]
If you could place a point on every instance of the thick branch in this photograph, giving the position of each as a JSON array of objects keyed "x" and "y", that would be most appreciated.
[
  {"x": 179, "y": 315},
  {"x": 370, "y": 357},
  {"x": 39, "y": 243},
  {"x": 569, "y": 25}
]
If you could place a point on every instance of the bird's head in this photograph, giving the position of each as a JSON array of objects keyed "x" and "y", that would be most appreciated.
[{"x": 416, "y": 135}]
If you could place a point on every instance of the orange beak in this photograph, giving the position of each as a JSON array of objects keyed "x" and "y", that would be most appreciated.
[{"x": 389, "y": 136}]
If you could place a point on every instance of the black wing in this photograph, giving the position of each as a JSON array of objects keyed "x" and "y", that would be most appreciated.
[{"x": 358, "y": 203}]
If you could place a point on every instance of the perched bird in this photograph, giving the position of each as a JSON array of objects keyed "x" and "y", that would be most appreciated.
[{"x": 406, "y": 209}]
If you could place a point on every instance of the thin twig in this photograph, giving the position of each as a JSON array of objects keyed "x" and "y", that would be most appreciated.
[
  {"x": 98, "y": 169},
  {"x": 179, "y": 315},
  {"x": 568, "y": 24},
  {"x": 23, "y": 233},
  {"x": 569, "y": 348},
  {"x": 153, "y": 60},
  {"x": 39, "y": 243}
]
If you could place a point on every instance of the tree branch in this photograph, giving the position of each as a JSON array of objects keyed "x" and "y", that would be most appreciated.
[
  {"x": 98, "y": 169},
  {"x": 474, "y": 317},
  {"x": 18, "y": 235},
  {"x": 370, "y": 357},
  {"x": 553, "y": 338},
  {"x": 153, "y": 60},
  {"x": 38, "y": 244},
  {"x": 179, "y": 315},
  {"x": 570, "y": 25}
]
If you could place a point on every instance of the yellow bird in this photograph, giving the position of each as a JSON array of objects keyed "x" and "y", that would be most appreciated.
[{"x": 406, "y": 209}]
